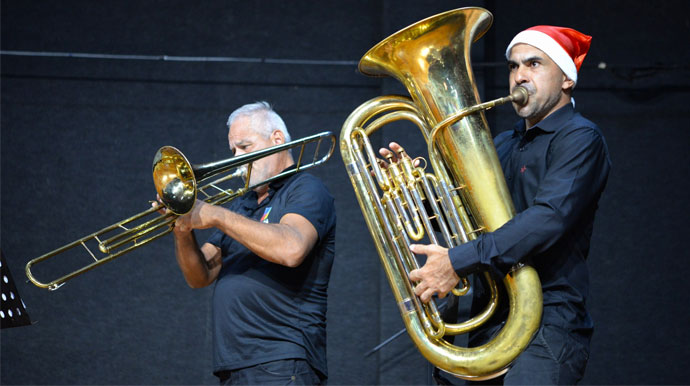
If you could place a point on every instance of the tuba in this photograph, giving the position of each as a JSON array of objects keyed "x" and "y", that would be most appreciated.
[{"x": 464, "y": 196}]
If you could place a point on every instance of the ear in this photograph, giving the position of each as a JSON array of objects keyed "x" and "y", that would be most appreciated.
[
  {"x": 277, "y": 137},
  {"x": 568, "y": 84}
]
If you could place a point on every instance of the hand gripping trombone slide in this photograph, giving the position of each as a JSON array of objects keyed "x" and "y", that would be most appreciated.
[{"x": 176, "y": 181}]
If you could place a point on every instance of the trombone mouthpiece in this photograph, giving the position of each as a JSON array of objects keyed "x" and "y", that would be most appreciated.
[
  {"x": 520, "y": 95},
  {"x": 239, "y": 172}
]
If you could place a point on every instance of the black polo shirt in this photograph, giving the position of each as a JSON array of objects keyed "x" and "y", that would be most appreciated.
[
  {"x": 264, "y": 311},
  {"x": 556, "y": 172}
]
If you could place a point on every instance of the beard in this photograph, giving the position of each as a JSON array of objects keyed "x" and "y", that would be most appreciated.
[
  {"x": 524, "y": 110},
  {"x": 537, "y": 107},
  {"x": 261, "y": 171}
]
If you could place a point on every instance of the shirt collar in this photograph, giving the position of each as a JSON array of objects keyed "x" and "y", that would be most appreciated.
[
  {"x": 277, "y": 184},
  {"x": 249, "y": 200},
  {"x": 557, "y": 119},
  {"x": 551, "y": 123}
]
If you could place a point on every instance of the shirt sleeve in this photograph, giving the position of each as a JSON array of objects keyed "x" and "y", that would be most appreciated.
[
  {"x": 309, "y": 198},
  {"x": 576, "y": 174}
]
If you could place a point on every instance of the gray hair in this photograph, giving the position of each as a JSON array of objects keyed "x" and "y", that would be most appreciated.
[{"x": 263, "y": 119}]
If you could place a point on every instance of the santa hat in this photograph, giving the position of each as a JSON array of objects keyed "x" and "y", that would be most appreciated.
[{"x": 565, "y": 46}]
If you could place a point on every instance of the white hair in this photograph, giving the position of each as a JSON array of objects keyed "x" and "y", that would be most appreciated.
[{"x": 263, "y": 119}]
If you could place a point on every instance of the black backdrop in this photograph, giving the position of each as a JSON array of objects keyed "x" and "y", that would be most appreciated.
[{"x": 79, "y": 134}]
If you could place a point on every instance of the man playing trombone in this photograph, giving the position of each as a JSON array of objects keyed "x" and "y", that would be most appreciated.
[{"x": 270, "y": 259}]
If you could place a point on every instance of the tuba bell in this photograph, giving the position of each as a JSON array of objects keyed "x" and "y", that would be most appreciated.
[{"x": 465, "y": 195}]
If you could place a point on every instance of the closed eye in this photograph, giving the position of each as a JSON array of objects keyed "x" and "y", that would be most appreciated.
[{"x": 244, "y": 148}]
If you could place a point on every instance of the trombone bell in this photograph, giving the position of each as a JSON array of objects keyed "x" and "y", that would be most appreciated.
[{"x": 173, "y": 177}]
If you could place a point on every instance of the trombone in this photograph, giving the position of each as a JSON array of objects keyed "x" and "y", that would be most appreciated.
[{"x": 178, "y": 183}]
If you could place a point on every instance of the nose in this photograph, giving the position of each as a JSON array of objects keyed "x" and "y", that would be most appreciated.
[{"x": 520, "y": 75}]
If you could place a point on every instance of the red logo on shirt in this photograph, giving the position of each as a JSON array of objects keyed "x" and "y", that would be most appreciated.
[{"x": 523, "y": 168}]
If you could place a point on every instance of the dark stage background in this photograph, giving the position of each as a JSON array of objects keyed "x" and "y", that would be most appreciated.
[{"x": 79, "y": 134}]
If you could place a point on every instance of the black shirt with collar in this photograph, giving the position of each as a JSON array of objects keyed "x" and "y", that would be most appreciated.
[
  {"x": 264, "y": 311},
  {"x": 556, "y": 172}
]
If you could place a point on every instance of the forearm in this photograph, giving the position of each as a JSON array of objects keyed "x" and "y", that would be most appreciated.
[
  {"x": 279, "y": 243},
  {"x": 528, "y": 233},
  {"x": 197, "y": 270}
]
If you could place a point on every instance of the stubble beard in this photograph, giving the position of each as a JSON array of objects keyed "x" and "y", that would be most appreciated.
[{"x": 535, "y": 111}]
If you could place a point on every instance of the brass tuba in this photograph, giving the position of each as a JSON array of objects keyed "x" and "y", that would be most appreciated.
[{"x": 466, "y": 194}]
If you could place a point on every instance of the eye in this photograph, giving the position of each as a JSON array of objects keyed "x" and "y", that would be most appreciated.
[
  {"x": 243, "y": 148},
  {"x": 512, "y": 66},
  {"x": 534, "y": 63}
]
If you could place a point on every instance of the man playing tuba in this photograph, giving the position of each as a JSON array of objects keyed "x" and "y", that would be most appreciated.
[{"x": 556, "y": 164}]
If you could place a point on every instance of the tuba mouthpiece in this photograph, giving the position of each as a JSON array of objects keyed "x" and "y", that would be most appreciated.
[{"x": 520, "y": 95}]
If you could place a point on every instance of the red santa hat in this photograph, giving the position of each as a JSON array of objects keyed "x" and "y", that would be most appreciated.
[{"x": 565, "y": 46}]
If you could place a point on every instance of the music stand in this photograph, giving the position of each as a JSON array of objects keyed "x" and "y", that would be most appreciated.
[{"x": 13, "y": 311}]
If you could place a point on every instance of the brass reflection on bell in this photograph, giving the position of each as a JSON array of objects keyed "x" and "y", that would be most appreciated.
[{"x": 174, "y": 180}]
